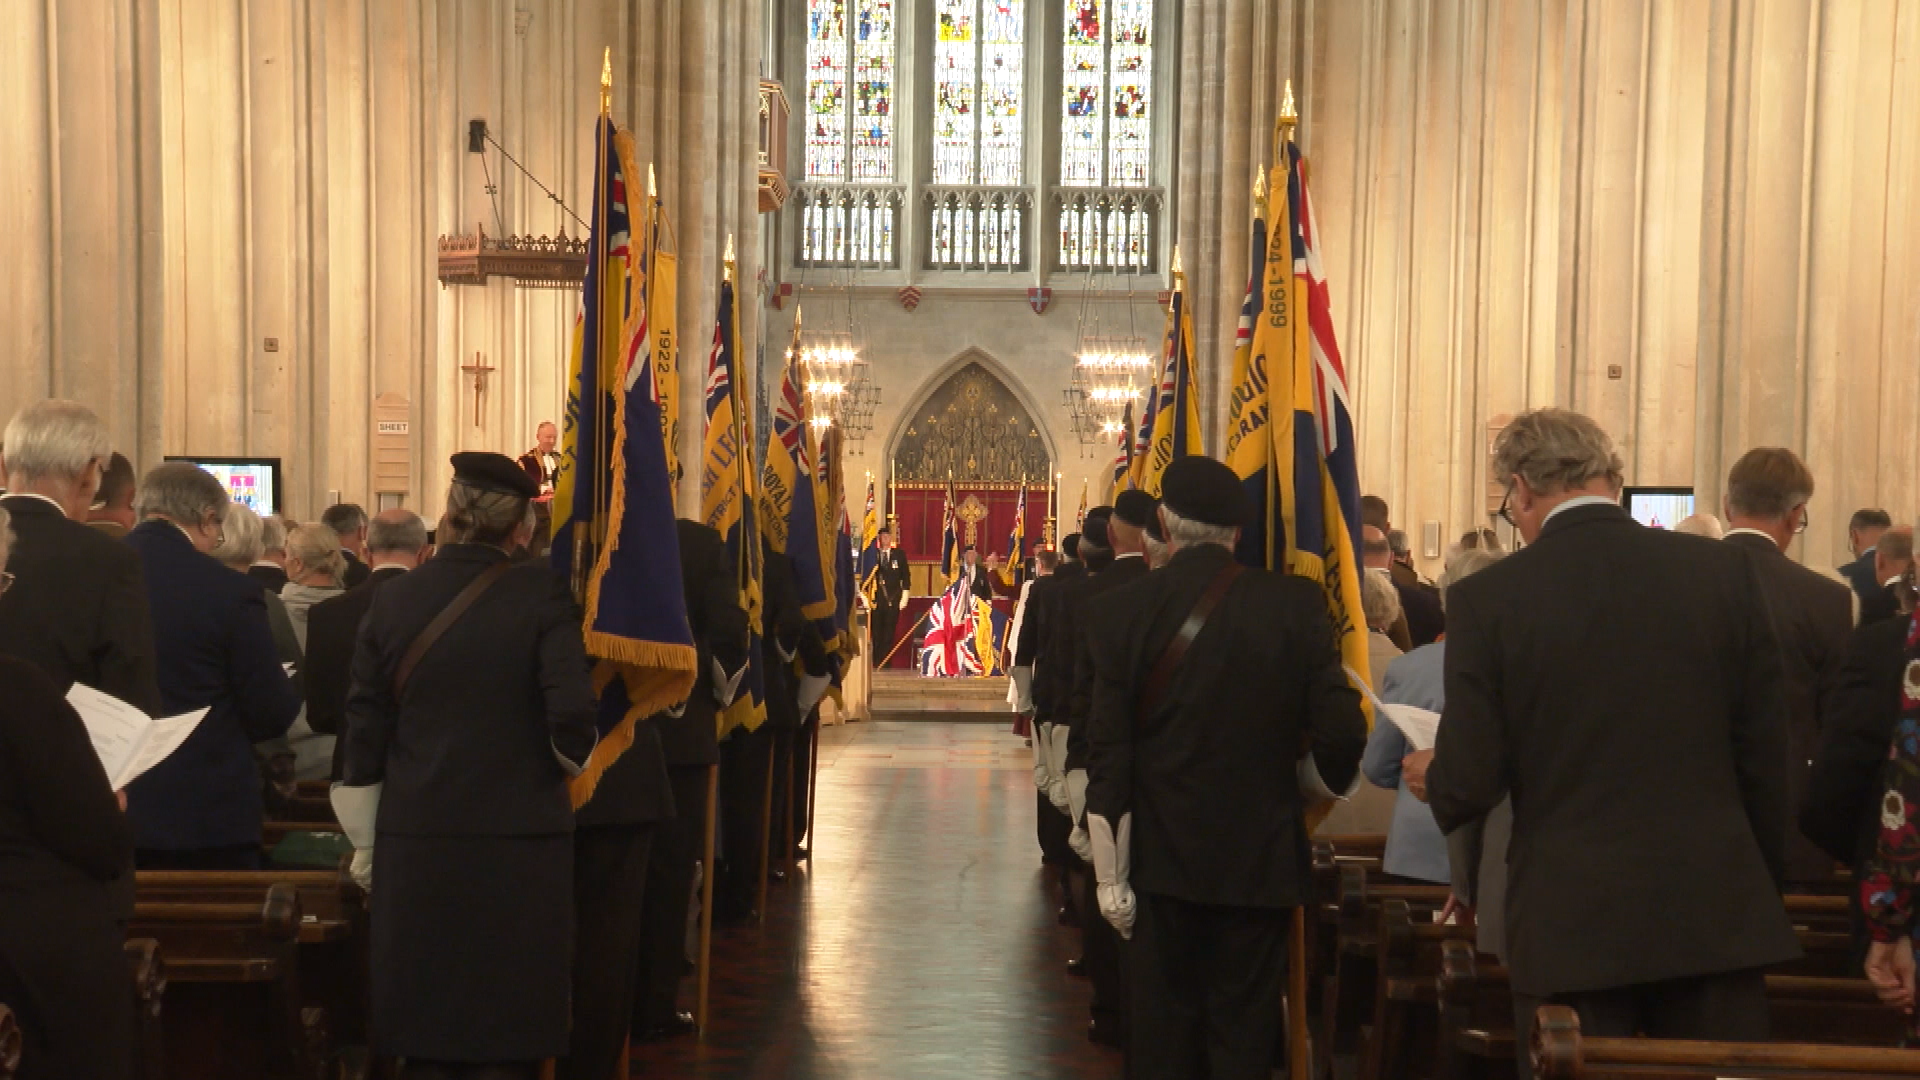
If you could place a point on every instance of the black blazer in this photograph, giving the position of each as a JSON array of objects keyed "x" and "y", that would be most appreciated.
[
  {"x": 712, "y": 585},
  {"x": 1882, "y": 603},
  {"x": 473, "y": 748},
  {"x": 1860, "y": 574},
  {"x": 1054, "y": 676},
  {"x": 1812, "y": 620},
  {"x": 215, "y": 649},
  {"x": 1624, "y": 685},
  {"x": 1036, "y": 634},
  {"x": 892, "y": 581},
  {"x": 786, "y": 633},
  {"x": 333, "y": 626},
  {"x": 1421, "y": 608},
  {"x": 66, "y": 863},
  {"x": 269, "y": 575},
  {"x": 1841, "y": 808},
  {"x": 78, "y": 606},
  {"x": 1076, "y": 620},
  {"x": 1209, "y": 774},
  {"x": 356, "y": 572}
]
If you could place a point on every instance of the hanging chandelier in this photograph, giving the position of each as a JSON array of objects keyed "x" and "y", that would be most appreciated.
[
  {"x": 1112, "y": 369},
  {"x": 838, "y": 382}
]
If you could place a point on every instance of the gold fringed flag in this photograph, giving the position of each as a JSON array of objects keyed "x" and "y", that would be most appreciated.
[
  {"x": 1123, "y": 462},
  {"x": 788, "y": 511},
  {"x": 1249, "y": 443},
  {"x": 727, "y": 504},
  {"x": 1016, "y": 541},
  {"x": 615, "y": 533},
  {"x": 1176, "y": 421}
]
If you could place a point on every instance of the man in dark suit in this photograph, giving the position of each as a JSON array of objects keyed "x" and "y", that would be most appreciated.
[
  {"x": 975, "y": 577},
  {"x": 112, "y": 509},
  {"x": 270, "y": 569},
  {"x": 1099, "y": 943},
  {"x": 78, "y": 605},
  {"x": 1863, "y": 535},
  {"x": 396, "y": 541},
  {"x": 1029, "y": 658},
  {"x": 200, "y": 809},
  {"x": 1624, "y": 685},
  {"x": 1421, "y": 619},
  {"x": 688, "y": 739},
  {"x": 1892, "y": 570},
  {"x": 1193, "y": 807},
  {"x": 349, "y": 522},
  {"x": 1766, "y": 506},
  {"x": 891, "y": 584}
]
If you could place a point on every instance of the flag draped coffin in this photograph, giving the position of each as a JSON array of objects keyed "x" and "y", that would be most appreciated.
[
  {"x": 614, "y": 516},
  {"x": 727, "y": 504}
]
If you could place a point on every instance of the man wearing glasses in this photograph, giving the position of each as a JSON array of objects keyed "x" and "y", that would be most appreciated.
[
  {"x": 77, "y": 608},
  {"x": 1766, "y": 505},
  {"x": 200, "y": 809}
]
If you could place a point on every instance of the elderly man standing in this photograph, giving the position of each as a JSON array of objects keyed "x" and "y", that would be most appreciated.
[
  {"x": 1210, "y": 684},
  {"x": 1623, "y": 684},
  {"x": 78, "y": 605},
  {"x": 349, "y": 522},
  {"x": 200, "y": 809},
  {"x": 1767, "y": 494}
]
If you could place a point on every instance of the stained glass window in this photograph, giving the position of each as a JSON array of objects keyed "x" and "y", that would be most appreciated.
[
  {"x": 850, "y": 83},
  {"x": 1106, "y": 126},
  {"x": 979, "y": 81}
]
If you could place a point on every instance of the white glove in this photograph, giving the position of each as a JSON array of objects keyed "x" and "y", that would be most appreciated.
[
  {"x": 1111, "y": 866},
  {"x": 1081, "y": 843},
  {"x": 1077, "y": 794},
  {"x": 726, "y": 687},
  {"x": 1315, "y": 789},
  {"x": 1057, "y": 765},
  {"x": 1023, "y": 689},
  {"x": 361, "y": 869},
  {"x": 812, "y": 689},
  {"x": 357, "y": 809},
  {"x": 1042, "y": 747}
]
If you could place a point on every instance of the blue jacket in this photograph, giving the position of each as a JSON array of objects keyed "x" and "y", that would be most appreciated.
[
  {"x": 214, "y": 648},
  {"x": 1415, "y": 846}
]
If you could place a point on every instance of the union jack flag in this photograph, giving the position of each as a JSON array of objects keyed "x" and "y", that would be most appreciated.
[{"x": 950, "y": 649}]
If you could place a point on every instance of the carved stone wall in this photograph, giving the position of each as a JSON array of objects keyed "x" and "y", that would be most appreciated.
[{"x": 974, "y": 430}]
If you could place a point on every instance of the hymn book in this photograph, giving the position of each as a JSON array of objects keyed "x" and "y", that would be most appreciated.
[{"x": 129, "y": 741}]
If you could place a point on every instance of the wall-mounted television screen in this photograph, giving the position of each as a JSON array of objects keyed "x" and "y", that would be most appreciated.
[
  {"x": 254, "y": 481},
  {"x": 1658, "y": 507}
]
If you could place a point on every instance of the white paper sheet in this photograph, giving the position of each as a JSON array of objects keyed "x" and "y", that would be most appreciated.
[
  {"x": 1420, "y": 726},
  {"x": 129, "y": 741}
]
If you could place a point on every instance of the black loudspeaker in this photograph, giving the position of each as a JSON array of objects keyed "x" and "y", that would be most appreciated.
[{"x": 476, "y": 136}]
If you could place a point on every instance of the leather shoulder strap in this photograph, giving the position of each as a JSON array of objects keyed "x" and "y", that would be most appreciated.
[
  {"x": 1164, "y": 669},
  {"x": 443, "y": 622}
]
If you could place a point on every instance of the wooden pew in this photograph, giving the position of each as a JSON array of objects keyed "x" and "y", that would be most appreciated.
[
  {"x": 1476, "y": 1040},
  {"x": 1330, "y": 854},
  {"x": 1350, "y": 985},
  {"x": 233, "y": 989},
  {"x": 1560, "y": 1052},
  {"x": 333, "y": 934},
  {"x": 1406, "y": 991}
]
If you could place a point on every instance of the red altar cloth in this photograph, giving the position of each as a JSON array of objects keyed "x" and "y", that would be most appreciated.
[
  {"x": 921, "y": 509},
  {"x": 910, "y": 627}
]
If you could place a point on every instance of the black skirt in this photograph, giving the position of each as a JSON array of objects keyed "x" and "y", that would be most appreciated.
[{"x": 472, "y": 947}]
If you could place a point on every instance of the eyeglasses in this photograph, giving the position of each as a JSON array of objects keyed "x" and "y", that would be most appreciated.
[
  {"x": 1505, "y": 512},
  {"x": 6, "y": 582}
]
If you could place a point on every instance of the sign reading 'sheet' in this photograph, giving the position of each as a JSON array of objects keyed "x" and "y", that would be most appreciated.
[{"x": 391, "y": 427}]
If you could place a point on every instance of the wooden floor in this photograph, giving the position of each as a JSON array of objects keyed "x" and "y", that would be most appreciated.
[{"x": 920, "y": 944}]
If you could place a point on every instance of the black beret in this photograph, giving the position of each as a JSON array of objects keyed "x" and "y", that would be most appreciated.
[
  {"x": 1204, "y": 490},
  {"x": 1135, "y": 507},
  {"x": 1070, "y": 547},
  {"x": 1154, "y": 529},
  {"x": 1093, "y": 528},
  {"x": 496, "y": 473}
]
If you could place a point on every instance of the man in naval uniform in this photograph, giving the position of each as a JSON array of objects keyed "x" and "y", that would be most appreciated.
[
  {"x": 891, "y": 584},
  {"x": 1211, "y": 683}
]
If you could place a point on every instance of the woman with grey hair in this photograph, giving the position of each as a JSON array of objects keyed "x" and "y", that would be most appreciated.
[
  {"x": 239, "y": 548},
  {"x": 1380, "y": 604},
  {"x": 69, "y": 855},
  {"x": 1416, "y": 850}
]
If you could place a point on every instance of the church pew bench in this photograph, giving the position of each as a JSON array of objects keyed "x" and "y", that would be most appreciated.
[
  {"x": 149, "y": 982},
  {"x": 1350, "y": 983},
  {"x": 333, "y": 932},
  {"x": 1475, "y": 1038},
  {"x": 1406, "y": 990},
  {"x": 233, "y": 1005},
  {"x": 1329, "y": 854},
  {"x": 1560, "y": 1052}
]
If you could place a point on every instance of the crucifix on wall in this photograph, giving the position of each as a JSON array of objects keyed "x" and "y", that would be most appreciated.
[{"x": 479, "y": 369}]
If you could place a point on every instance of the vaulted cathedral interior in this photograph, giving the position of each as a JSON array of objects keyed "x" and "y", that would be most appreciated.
[{"x": 1336, "y": 539}]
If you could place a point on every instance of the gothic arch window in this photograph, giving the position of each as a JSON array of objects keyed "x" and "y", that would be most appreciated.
[
  {"x": 1107, "y": 107},
  {"x": 850, "y": 125}
]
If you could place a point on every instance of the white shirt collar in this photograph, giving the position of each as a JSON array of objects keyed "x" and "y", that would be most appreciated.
[
  {"x": 1129, "y": 555},
  {"x": 1580, "y": 500},
  {"x": 1731, "y": 533},
  {"x": 37, "y": 495},
  {"x": 387, "y": 566}
]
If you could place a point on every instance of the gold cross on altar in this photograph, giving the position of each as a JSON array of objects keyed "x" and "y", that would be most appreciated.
[
  {"x": 972, "y": 512},
  {"x": 479, "y": 369}
]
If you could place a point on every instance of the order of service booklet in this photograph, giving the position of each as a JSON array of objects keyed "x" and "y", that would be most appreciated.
[{"x": 129, "y": 741}]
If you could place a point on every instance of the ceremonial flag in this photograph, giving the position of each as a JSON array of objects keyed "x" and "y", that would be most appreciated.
[
  {"x": 1159, "y": 395},
  {"x": 1176, "y": 422},
  {"x": 727, "y": 504},
  {"x": 830, "y": 499},
  {"x": 950, "y": 540},
  {"x": 1123, "y": 464},
  {"x": 1080, "y": 517},
  {"x": 1016, "y": 540},
  {"x": 617, "y": 516},
  {"x": 1315, "y": 467},
  {"x": 869, "y": 535},
  {"x": 789, "y": 491},
  {"x": 1249, "y": 444},
  {"x": 952, "y": 643}
]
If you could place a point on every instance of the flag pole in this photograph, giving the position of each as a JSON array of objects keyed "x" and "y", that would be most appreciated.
[
  {"x": 700, "y": 1012},
  {"x": 1298, "y": 1050}
]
